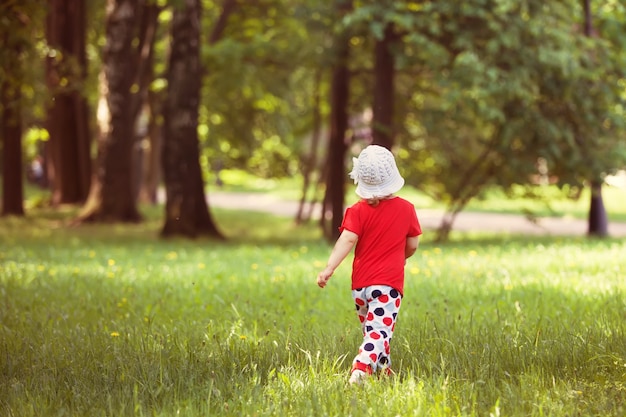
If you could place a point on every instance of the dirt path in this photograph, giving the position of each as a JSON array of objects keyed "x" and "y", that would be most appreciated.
[{"x": 429, "y": 219}]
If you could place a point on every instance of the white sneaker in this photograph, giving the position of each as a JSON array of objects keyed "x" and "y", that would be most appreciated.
[{"x": 357, "y": 377}]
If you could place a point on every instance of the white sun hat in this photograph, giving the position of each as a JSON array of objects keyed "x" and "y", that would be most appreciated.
[{"x": 375, "y": 173}]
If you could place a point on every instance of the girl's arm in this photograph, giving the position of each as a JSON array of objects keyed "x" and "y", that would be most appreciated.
[
  {"x": 411, "y": 246},
  {"x": 342, "y": 248}
]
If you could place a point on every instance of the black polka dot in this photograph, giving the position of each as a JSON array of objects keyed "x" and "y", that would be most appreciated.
[
  {"x": 358, "y": 289},
  {"x": 384, "y": 334},
  {"x": 394, "y": 293},
  {"x": 357, "y": 306},
  {"x": 379, "y": 311},
  {"x": 395, "y": 315},
  {"x": 376, "y": 293},
  {"x": 383, "y": 360},
  {"x": 368, "y": 347},
  {"x": 368, "y": 328}
]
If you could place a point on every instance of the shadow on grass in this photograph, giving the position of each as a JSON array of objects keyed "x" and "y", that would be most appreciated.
[{"x": 239, "y": 227}]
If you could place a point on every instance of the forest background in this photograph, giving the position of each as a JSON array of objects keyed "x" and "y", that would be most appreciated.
[{"x": 122, "y": 97}]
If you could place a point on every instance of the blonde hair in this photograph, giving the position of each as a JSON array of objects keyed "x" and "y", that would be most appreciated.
[{"x": 375, "y": 200}]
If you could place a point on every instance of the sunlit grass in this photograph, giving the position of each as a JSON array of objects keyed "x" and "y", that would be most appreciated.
[{"x": 113, "y": 321}]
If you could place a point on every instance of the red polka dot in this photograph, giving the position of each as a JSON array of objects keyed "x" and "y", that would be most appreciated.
[
  {"x": 398, "y": 302},
  {"x": 370, "y": 317},
  {"x": 374, "y": 335},
  {"x": 383, "y": 298},
  {"x": 361, "y": 319},
  {"x": 359, "y": 302},
  {"x": 388, "y": 321},
  {"x": 373, "y": 357}
]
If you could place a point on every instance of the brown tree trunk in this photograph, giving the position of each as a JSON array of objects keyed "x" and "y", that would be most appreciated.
[
  {"x": 186, "y": 208},
  {"x": 144, "y": 153},
  {"x": 598, "y": 224},
  {"x": 11, "y": 38},
  {"x": 69, "y": 158},
  {"x": 310, "y": 160},
  {"x": 151, "y": 174},
  {"x": 336, "y": 174},
  {"x": 384, "y": 71},
  {"x": 143, "y": 54},
  {"x": 112, "y": 196},
  {"x": 149, "y": 147},
  {"x": 11, "y": 135}
]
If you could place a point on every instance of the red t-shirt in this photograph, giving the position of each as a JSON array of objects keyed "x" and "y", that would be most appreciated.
[{"x": 382, "y": 230}]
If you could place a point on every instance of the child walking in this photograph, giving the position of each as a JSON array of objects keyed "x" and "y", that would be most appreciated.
[{"x": 386, "y": 231}]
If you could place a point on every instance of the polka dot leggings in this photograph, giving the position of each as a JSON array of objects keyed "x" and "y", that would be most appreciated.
[{"x": 377, "y": 307}]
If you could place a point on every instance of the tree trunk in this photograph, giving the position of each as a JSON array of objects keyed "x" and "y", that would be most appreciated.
[
  {"x": 149, "y": 102},
  {"x": 151, "y": 175},
  {"x": 11, "y": 38},
  {"x": 597, "y": 224},
  {"x": 310, "y": 160},
  {"x": 384, "y": 71},
  {"x": 69, "y": 158},
  {"x": 143, "y": 54},
  {"x": 11, "y": 135},
  {"x": 112, "y": 195},
  {"x": 336, "y": 174},
  {"x": 186, "y": 208}
]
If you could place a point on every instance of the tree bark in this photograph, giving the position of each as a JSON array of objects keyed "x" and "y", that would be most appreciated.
[
  {"x": 112, "y": 195},
  {"x": 228, "y": 8},
  {"x": 310, "y": 160},
  {"x": 11, "y": 134},
  {"x": 186, "y": 208},
  {"x": 69, "y": 157},
  {"x": 597, "y": 224},
  {"x": 384, "y": 71},
  {"x": 11, "y": 39},
  {"x": 151, "y": 174},
  {"x": 336, "y": 175},
  {"x": 146, "y": 110}
]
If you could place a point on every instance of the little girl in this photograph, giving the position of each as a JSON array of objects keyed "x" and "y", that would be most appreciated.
[{"x": 386, "y": 231}]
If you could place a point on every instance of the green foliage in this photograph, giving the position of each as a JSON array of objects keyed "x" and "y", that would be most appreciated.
[
  {"x": 259, "y": 82},
  {"x": 485, "y": 89},
  {"x": 505, "y": 85},
  {"x": 108, "y": 321},
  {"x": 33, "y": 139},
  {"x": 21, "y": 31}
]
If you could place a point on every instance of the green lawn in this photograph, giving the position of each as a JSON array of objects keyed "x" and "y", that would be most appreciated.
[{"x": 112, "y": 321}]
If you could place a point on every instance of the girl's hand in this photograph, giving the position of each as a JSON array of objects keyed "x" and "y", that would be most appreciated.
[{"x": 323, "y": 277}]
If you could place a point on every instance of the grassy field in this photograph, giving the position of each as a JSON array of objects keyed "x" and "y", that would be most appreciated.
[{"x": 112, "y": 321}]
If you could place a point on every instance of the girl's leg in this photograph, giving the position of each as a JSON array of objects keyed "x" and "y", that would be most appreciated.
[{"x": 377, "y": 307}]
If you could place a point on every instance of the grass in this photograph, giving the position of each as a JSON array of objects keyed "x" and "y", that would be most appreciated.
[{"x": 111, "y": 321}]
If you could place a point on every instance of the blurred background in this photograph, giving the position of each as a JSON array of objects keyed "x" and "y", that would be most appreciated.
[{"x": 113, "y": 105}]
